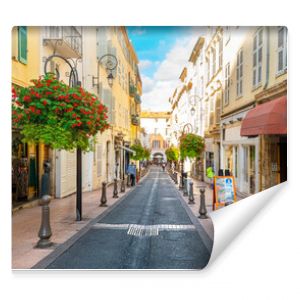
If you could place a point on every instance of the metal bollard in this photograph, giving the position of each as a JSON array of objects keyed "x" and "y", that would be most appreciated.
[
  {"x": 128, "y": 180},
  {"x": 191, "y": 194},
  {"x": 103, "y": 199},
  {"x": 185, "y": 189},
  {"x": 122, "y": 186},
  {"x": 45, "y": 229},
  {"x": 175, "y": 178},
  {"x": 180, "y": 183},
  {"x": 202, "y": 209},
  {"x": 115, "y": 194}
]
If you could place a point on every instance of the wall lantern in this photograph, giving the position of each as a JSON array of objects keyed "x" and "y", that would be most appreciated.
[
  {"x": 110, "y": 79},
  {"x": 193, "y": 111}
]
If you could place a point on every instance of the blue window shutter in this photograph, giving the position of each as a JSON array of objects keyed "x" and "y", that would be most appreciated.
[{"x": 22, "y": 44}]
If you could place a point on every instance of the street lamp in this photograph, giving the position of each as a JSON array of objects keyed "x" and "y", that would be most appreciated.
[
  {"x": 110, "y": 79},
  {"x": 110, "y": 62},
  {"x": 73, "y": 81},
  {"x": 193, "y": 111}
]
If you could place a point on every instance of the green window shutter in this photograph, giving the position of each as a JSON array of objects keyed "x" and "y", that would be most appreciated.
[{"x": 22, "y": 44}]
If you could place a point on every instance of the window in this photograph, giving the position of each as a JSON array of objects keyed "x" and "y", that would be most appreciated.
[
  {"x": 213, "y": 61},
  {"x": 257, "y": 57},
  {"x": 208, "y": 68},
  {"x": 220, "y": 53},
  {"x": 282, "y": 49},
  {"x": 227, "y": 34},
  {"x": 227, "y": 84},
  {"x": 239, "y": 73},
  {"x": 22, "y": 44}
]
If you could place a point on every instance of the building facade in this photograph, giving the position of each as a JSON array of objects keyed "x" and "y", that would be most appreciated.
[
  {"x": 255, "y": 73},
  {"x": 90, "y": 50}
]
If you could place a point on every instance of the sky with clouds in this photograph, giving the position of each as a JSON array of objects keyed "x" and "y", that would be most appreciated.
[{"x": 163, "y": 52}]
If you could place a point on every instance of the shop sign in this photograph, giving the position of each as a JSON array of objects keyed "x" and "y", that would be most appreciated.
[{"x": 224, "y": 191}]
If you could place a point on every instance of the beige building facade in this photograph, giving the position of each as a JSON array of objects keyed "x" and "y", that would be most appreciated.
[{"x": 255, "y": 73}]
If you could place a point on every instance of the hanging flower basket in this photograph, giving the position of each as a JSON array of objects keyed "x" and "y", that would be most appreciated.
[
  {"x": 57, "y": 115},
  {"x": 191, "y": 146}
]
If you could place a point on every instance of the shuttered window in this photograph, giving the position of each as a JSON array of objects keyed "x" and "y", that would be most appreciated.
[
  {"x": 239, "y": 74},
  {"x": 227, "y": 84},
  {"x": 22, "y": 44},
  {"x": 220, "y": 53},
  {"x": 282, "y": 49},
  {"x": 257, "y": 57}
]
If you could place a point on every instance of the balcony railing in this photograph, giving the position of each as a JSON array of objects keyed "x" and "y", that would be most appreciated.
[
  {"x": 135, "y": 119},
  {"x": 66, "y": 39}
]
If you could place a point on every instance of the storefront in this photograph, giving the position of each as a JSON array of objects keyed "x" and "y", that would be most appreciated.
[
  {"x": 211, "y": 156},
  {"x": 240, "y": 156},
  {"x": 269, "y": 122},
  {"x": 27, "y": 169}
]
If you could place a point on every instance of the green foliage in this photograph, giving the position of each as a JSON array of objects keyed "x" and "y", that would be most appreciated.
[
  {"x": 57, "y": 115},
  {"x": 172, "y": 154},
  {"x": 140, "y": 152},
  {"x": 191, "y": 146}
]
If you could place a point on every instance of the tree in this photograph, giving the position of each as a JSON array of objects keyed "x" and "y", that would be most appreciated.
[
  {"x": 191, "y": 146},
  {"x": 172, "y": 154},
  {"x": 57, "y": 115},
  {"x": 141, "y": 153}
]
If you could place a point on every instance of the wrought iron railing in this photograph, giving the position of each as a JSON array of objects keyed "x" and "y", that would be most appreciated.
[{"x": 71, "y": 35}]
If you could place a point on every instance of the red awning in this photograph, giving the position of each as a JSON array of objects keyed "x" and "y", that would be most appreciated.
[{"x": 267, "y": 118}]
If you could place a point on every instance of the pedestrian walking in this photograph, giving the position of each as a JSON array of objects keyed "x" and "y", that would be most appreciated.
[{"x": 131, "y": 170}]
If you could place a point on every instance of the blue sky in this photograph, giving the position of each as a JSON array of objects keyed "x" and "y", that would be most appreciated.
[
  {"x": 162, "y": 51},
  {"x": 152, "y": 43}
]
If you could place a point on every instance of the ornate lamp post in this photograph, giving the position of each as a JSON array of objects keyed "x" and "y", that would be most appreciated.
[{"x": 110, "y": 62}]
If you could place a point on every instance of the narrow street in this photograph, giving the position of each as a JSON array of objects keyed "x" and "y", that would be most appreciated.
[{"x": 151, "y": 228}]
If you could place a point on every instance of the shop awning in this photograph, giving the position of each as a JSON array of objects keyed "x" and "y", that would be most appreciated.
[
  {"x": 267, "y": 118},
  {"x": 127, "y": 149}
]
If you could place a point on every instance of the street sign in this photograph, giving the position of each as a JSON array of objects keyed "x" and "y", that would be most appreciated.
[{"x": 224, "y": 191}]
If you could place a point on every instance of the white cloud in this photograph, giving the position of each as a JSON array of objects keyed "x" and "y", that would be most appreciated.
[
  {"x": 157, "y": 91},
  {"x": 148, "y": 84},
  {"x": 144, "y": 64}
]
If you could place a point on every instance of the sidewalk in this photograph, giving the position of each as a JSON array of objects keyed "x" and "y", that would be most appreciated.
[
  {"x": 206, "y": 223},
  {"x": 26, "y": 223}
]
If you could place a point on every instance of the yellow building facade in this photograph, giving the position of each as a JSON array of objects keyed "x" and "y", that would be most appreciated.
[{"x": 27, "y": 159}]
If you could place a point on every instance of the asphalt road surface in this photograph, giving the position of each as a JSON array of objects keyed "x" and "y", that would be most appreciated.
[{"x": 150, "y": 228}]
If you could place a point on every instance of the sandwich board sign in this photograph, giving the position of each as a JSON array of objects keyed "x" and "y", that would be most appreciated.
[{"x": 224, "y": 191}]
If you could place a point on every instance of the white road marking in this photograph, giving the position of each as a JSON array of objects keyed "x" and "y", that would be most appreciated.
[{"x": 144, "y": 230}]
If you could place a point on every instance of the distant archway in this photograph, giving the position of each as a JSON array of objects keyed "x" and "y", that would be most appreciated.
[{"x": 158, "y": 156}]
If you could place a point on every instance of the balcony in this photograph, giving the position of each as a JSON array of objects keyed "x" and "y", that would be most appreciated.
[
  {"x": 132, "y": 90},
  {"x": 135, "y": 119},
  {"x": 66, "y": 40},
  {"x": 137, "y": 98}
]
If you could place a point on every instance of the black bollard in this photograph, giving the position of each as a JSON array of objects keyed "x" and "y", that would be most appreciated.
[
  {"x": 185, "y": 189},
  {"x": 128, "y": 181},
  {"x": 202, "y": 210},
  {"x": 103, "y": 199},
  {"x": 180, "y": 183},
  {"x": 175, "y": 178},
  {"x": 115, "y": 194},
  {"x": 122, "y": 186},
  {"x": 191, "y": 194},
  {"x": 45, "y": 229}
]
